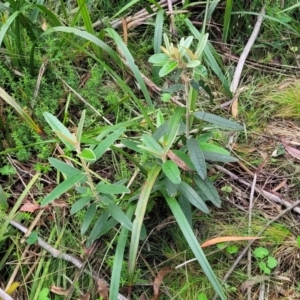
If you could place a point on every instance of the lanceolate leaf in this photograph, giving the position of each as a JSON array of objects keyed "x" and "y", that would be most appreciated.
[
  {"x": 87, "y": 154},
  {"x": 78, "y": 205},
  {"x": 62, "y": 188},
  {"x": 98, "y": 227},
  {"x": 63, "y": 133},
  {"x": 171, "y": 188},
  {"x": 119, "y": 215},
  {"x": 106, "y": 143},
  {"x": 3, "y": 200},
  {"x": 168, "y": 68},
  {"x": 218, "y": 121},
  {"x": 159, "y": 59},
  {"x": 197, "y": 157},
  {"x": 13, "y": 103},
  {"x": 173, "y": 127},
  {"x": 191, "y": 195},
  {"x": 64, "y": 168},
  {"x": 171, "y": 171},
  {"x": 112, "y": 189},
  {"x": 91, "y": 211},
  {"x": 151, "y": 143},
  {"x": 215, "y": 153},
  {"x": 209, "y": 190}
]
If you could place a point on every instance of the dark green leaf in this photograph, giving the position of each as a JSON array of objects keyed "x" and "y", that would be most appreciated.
[
  {"x": 209, "y": 190},
  {"x": 111, "y": 189},
  {"x": 191, "y": 195},
  {"x": 218, "y": 121},
  {"x": 171, "y": 188},
  {"x": 197, "y": 157},
  {"x": 98, "y": 227},
  {"x": 62, "y": 188},
  {"x": 174, "y": 88},
  {"x": 64, "y": 168},
  {"x": 91, "y": 211},
  {"x": 186, "y": 208},
  {"x": 78, "y": 205},
  {"x": 119, "y": 215},
  {"x": 106, "y": 143}
]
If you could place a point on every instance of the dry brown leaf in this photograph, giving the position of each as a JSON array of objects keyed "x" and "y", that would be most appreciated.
[
  {"x": 279, "y": 186},
  {"x": 158, "y": 281},
  {"x": 178, "y": 161},
  {"x": 59, "y": 291},
  {"x": 29, "y": 207},
  {"x": 252, "y": 281},
  {"x": 125, "y": 31},
  {"x": 243, "y": 149},
  {"x": 292, "y": 151},
  {"x": 44, "y": 26},
  {"x": 60, "y": 203},
  {"x": 223, "y": 239},
  {"x": 102, "y": 289},
  {"x": 85, "y": 297},
  {"x": 234, "y": 108}
]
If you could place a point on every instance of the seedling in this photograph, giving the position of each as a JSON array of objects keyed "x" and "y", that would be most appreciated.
[
  {"x": 230, "y": 249},
  {"x": 266, "y": 262}
]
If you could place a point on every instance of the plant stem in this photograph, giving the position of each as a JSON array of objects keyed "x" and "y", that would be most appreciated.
[{"x": 187, "y": 104}]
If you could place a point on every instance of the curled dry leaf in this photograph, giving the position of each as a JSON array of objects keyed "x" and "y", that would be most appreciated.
[
  {"x": 102, "y": 289},
  {"x": 158, "y": 281},
  {"x": 59, "y": 291},
  {"x": 234, "y": 108},
  {"x": 223, "y": 239},
  {"x": 252, "y": 281},
  {"x": 85, "y": 297},
  {"x": 292, "y": 151},
  {"x": 29, "y": 207}
]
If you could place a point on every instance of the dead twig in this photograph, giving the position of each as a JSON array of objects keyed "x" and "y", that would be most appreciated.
[
  {"x": 5, "y": 296},
  {"x": 266, "y": 194},
  {"x": 249, "y": 231},
  {"x": 67, "y": 257},
  {"x": 237, "y": 74}
]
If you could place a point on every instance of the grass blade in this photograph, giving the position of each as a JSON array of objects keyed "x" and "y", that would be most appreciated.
[
  {"x": 227, "y": 17},
  {"x": 139, "y": 218},
  {"x": 12, "y": 102},
  {"x": 137, "y": 74},
  {"x": 17, "y": 205},
  {"x": 193, "y": 243},
  {"x": 118, "y": 259}
]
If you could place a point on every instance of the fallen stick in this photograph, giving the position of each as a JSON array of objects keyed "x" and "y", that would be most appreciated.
[
  {"x": 239, "y": 68},
  {"x": 266, "y": 194},
  {"x": 5, "y": 296},
  {"x": 67, "y": 257}
]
